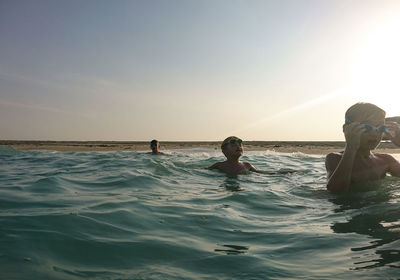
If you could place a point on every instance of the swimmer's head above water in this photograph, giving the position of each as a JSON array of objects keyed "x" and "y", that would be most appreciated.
[
  {"x": 155, "y": 146},
  {"x": 371, "y": 119},
  {"x": 232, "y": 147},
  {"x": 364, "y": 127}
]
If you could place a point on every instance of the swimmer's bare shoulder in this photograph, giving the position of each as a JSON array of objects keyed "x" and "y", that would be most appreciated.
[
  {"x": 250, "y": 167},
  {"x": 217, "y": 165},
  {"x": 385, "y": 157},
  {"x": 393, "y": 166},
  {"x": 331, "y": 162}
]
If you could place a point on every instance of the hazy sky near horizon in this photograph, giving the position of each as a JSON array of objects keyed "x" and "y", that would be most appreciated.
[{"x": 193, "y": 70}]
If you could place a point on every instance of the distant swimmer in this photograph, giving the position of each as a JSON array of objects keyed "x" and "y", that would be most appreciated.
[
  {"x": 232, "y": 148},
  {"x": 155, "y": 147},
  {"x": 363, "y": 130}
]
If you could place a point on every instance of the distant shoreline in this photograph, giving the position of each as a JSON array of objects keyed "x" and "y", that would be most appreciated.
[{"x": 307, "y": 147}]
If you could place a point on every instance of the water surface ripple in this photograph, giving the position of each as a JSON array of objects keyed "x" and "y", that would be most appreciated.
[{"x": 131, "y": 215}]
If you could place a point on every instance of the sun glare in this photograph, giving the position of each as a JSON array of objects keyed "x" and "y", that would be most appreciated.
[{"x": 376, "y": 70}]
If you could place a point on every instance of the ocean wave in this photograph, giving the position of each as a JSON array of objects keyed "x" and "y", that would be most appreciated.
[{"x": 131, "y": 215}]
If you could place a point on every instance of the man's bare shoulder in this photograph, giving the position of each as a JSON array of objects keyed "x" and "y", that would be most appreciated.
[
  {"x": 249, "y": 166},
  {"x": 217, "y": 165},
  {"x": 385, "y": 157},
  {"x": 333, "y": 157},
  {"x": 389, "y": 161},
  {"x": 332, "y": 161}
]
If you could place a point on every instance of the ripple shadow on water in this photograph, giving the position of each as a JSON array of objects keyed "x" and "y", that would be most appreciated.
[
  {"x": 374, "y": 213},
  {"x": 231, "y": 184}
]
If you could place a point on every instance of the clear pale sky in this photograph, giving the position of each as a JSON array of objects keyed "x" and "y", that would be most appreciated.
[{"x": 193, "y": 70}]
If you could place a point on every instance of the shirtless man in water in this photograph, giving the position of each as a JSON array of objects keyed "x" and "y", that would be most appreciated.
[
  {"x": 363, "y": 129},
  {"x": 155, "y": 147},
  {"x": 232, "y": 148}
]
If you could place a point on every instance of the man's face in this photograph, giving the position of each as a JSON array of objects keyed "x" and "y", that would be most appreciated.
[
  {"x": 374, "y": 127},
  {"x": 154, "y": 147},
  {"x": 233, "y": 148}
]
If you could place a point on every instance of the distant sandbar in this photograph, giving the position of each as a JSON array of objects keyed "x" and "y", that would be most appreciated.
[{"x": 307, "y": 147}]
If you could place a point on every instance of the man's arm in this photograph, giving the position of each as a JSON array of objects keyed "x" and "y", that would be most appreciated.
[
  {"x": 253, "y": 169},
  {"x": 394, "y": 132},
  {"x": 394, "y": 135},
  {"x": 216, "y": 165},
  {"x": 394, "y": 165},
  {"x": 339, "y": 170}
]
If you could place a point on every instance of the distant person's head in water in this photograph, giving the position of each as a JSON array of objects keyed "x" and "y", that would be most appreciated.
[
  {"x": 364, "y": 127},
  {"x": 155, "y": 147}
]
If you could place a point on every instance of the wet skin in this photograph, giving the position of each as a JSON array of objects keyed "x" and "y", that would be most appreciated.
[
  {"x": 357, "y": 163},
  {"x": 232, "y": 165}
]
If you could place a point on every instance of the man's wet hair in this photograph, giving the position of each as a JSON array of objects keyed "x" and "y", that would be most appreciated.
[
  {"x": 361, "y": 111},
  {"x": 153, "y": 142}
]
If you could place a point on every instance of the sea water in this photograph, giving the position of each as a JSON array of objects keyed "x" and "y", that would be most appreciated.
[{"x": 132, "y": 215}]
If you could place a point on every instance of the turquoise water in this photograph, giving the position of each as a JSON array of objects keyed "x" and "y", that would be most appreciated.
[{"x": 131, "y": 215}]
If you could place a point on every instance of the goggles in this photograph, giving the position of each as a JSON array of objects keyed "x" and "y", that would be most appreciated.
[
  {"x": 233, "y": 141},
  {"x": 369, "y": 127}
]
